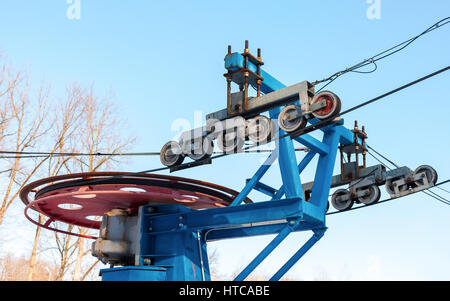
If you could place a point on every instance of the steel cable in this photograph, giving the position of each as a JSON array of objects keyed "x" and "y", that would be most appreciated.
[
  {"x": 382, "y": 55},
  {"x": 308, "y": 129}
]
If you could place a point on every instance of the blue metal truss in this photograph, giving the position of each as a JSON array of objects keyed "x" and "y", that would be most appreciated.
[{"x": 173, "y": 238}]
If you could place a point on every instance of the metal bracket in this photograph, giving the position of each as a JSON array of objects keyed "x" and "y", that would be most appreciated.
[
  {"x": 191, "y": 164},
  {"x": 302, "y": 91},
  {"x": 402, "y": 186}
]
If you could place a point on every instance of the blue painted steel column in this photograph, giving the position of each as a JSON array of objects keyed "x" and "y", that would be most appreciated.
[
  {"x": 314, "y": 145},
  {"x": 266, "y": 251},
  {"x": 287, "y": 159},
  {"x": 305, "y": 161},
  {"x": 180, "y": 251},
  {"x": 324, "y": 170},
  {"x": 254, "y": 180},
  {"x": 299, "y": 254}
]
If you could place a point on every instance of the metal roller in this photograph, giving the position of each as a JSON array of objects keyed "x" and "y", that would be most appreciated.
[
  {"x": 390, "y": 183},
  {"x": 230, "y": 142},
  {"x": 260, "y": 129},
  {"x": 200, "y": 149},
  {"x": 291, "y": 119},
  {"x": 171, "y": 154},
  {"x": 341, "y": 200},
  {"x": 371, "y": 196},
  {"x": 431, "y": 175},
  {"x": 332, "y": 108}
]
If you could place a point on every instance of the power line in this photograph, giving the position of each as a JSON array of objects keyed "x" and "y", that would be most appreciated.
[
  {"x": 443, "y": 189},
  {"x": 384, "y": 54},
  {"x": 25, "y": 155},
  {"x": 55, "y": 154},
  {"x": 308, "y": 129},
  {"x": 436, "y": 196},
  {"x": 305, "y": 130},
  {"x": 331, "y": 78},
  {"x": 380, "y": 156},
  {"x": 324, "y": 123},
  {"x": 379, "y": 161},
  {"x": 395, "y": 90}
]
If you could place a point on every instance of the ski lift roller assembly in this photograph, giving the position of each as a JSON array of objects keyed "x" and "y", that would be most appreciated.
[{"x": 156, "y": 227}]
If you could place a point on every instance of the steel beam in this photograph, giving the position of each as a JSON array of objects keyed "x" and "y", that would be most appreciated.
[
  {"x": 299, "y": 254},
  {"x": 266, "y": 251},
  {"x": 324, "y": 171},
  {"x": 254, "y": 180},
  {"x": 305, "y": 161}
]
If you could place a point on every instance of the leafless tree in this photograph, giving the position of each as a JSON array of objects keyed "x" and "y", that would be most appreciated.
[
  {"x": 30, "y": 120},
  {"x": 98, "y": 131},
  {"x": 11, "y": 269},
  {"x": 23, "y": 126},
  {"x": 213, "y": 260},
  {"x": 64, "y": 128}
]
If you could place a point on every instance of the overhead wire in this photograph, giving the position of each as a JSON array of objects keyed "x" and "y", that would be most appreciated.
[
  {"x": 25, "y": 155},
  {"x": 310, "y": 128},
  {"x": 440, "y": 188},
  {"x": 379, "y": 56},
  {"x": 307, "y": 129},
  {"x": 324, "y": 123},
  {"x": 331, "y": 78},
  {"x": 436, "y": 196}
]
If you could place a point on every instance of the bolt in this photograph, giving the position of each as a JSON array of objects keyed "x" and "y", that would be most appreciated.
[
  {"x": 150, "y": 229},
  {"x": 147, "y": 261}
]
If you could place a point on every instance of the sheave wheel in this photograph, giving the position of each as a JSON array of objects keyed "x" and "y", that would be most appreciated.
[
  {"x": 430, "y": 173},
  {"x": 340, "y": 204},
  {"x": 291, "y": 119},
  {"x": 171, "y": 154},
  {"x": 332, "y": 108},
  {"x": 372, "y": 197}
]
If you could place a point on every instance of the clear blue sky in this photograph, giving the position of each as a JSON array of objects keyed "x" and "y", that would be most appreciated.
[{"x": 164, "y": 60}]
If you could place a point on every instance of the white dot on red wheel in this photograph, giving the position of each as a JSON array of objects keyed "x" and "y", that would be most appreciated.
[
  {"x": 133, "y": 189},
  {"x": 85, "y": 196},
  {"x": 70, "y": 206}
]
